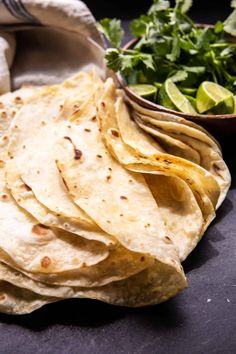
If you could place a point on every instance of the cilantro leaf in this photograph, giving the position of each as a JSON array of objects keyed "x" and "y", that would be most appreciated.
[
  {"x": 138, "y": 26},
  {"x": 219, "y": 27},
  {"x": 147, "y": 60},
  {"x": 179, "y": 75},
  {"x": 112, "y": 30},
  {"x": 158, "y": 5},
  {"x": 183, "y": 5},
  {"x": 113, "y": 59},
  {"x": 175, "y": 52}
]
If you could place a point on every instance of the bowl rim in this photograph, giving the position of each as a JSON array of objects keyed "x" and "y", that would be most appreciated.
[{"x": 155, "y": 106}]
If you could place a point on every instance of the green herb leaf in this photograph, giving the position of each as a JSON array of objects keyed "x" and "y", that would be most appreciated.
[
  {"x": 205, "y": 37},
  {"x": 159, "y": 5},
  {"x": 175, "y": 52},
  {"x": 138, "y": 26},
  {"x": 183, "y": 5},
  {"x": 219, "y": 27},
  {"x": 179, "y": 76},
  {"x": 147, "y": 60},
  {"x": 113, "y": 59},
  {"x": 199, "y": 70},
  {"x": 112, "y": 30}
]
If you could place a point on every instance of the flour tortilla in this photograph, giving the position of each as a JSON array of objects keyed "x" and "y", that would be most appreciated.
[
  {"x": 153, "y": 285},
  {"x": 140, "y": 213},
  {"x": 26, "y": 199},
  {"x": 10, "y": 104},
  {"x": 111, "y": 199},
  {"x": 170, "y": 145},
  {"x": 53, "y": 255},
  {"x": 120, "y": 264},
  {"x": 19, "y": 301},
  {"x": 36, "y": 248},
  {"x": 195, "y": 130},
  {"x": 203, "y": 178},
  {"x": 210, "y": 157},
  {"x": 127, "y": 155},
  {"x": 179, "y": 210},
  {"x": 32, "y": 165},
  {"x": 24, "y": 241}
]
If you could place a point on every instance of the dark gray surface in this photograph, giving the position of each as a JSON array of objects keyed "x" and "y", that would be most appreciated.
[{"x": 202, "y": 319}]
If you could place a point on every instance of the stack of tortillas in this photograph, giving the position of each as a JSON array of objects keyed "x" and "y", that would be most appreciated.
[{"x": 92, "y": 205}]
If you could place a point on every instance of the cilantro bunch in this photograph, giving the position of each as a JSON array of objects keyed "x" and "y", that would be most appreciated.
[{"x": 170, "y": 44}]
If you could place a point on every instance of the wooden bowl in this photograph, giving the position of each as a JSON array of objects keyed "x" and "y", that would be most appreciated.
[{"x": 217, "y": 124}]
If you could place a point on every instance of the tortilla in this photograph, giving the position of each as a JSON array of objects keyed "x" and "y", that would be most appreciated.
[
  {"x": 18, "y": 301},
  {"x": 127, "y": 155},
  {"x": 153, "y": 285},
  {"x": 210, "y": 157},
  {"x": 31, "y": 165},
  {"x": 93, "y": 207}
]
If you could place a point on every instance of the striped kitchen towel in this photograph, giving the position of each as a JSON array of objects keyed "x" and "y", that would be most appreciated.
[{"x": 45, "y": 41}]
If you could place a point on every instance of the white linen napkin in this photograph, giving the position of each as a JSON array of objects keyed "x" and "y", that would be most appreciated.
[{"x": 45, "y": 41}]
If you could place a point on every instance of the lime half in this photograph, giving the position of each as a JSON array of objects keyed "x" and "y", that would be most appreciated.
[
  {"x": 215, "y": 99},
  {"x": 146, "y": 91},
  {"x": 171, "y": 97}
]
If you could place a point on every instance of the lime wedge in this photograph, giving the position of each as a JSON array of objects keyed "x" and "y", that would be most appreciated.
[
  {"x": 225, "y": 106},
  {"x": 192, "y": 100},
  {"x": 188, "y": 91},
  {"x": 171, "y": 97},
  {"x": 215, "y": 99},
  {"x": 146, "y": 91},
  {"x": 234, "y": 104}
]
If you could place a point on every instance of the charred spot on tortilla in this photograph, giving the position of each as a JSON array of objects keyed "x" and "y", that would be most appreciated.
[
  {"x": 25, "y": 186},
  {"x": 2, "y": 297},
  {"x": 77, "y": 153},
  {"x": 40, "y": 230},
  {"x": 115, "y": 133},
  {"x": 3, "y": 114},
  {"x": 18, "y": 99},
  {"x": 168, "y": 162},
  {"x": 45, "y": 262},
  {"x": 4, "y": 197},
  {"x": 168, "y": 239},
  {"x": 123, "y": 197}
]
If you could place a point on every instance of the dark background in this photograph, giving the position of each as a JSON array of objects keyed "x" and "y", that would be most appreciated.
[
  {"x": 202, "y": 10},
  {"x": 201, "y": 319}
]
